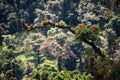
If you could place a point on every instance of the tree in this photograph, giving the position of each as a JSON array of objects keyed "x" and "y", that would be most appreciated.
[
  {"x": 10, "y": 67},
  {"x": 82, "y": 32}
]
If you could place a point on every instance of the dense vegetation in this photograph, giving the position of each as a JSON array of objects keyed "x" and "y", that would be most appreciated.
[{"x": 59, "y": 40}]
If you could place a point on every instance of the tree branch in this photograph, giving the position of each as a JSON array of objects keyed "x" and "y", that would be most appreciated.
[{"x": 48, "y": 22}]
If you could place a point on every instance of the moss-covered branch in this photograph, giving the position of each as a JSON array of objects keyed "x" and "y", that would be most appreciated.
[{"x": 42, "y": 24}]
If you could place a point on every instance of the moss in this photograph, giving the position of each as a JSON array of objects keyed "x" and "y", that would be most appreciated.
[{"x": 79, "y": 27}]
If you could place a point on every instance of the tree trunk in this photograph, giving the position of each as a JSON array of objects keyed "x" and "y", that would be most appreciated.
[{"x": 97, "y": 49}]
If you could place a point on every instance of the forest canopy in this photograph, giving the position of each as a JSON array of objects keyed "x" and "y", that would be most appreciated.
[{"x": 59, "y": 39}]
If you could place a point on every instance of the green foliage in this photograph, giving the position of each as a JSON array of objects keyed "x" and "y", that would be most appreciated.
[
  {"x": 63, "y": 75},
  {"x": 2, "y": 76},
  {"x": 62, "y": 23},
  {"x": 42, "y": 75},
  {"x": 69, "y": 75},
  {"x": 9, "y": 67},
  {"x": 55, "y": 32},
  {"x": 114, "y": 73},
  {"x": 105, "y": 69},
  {"x": 88, "y": 52},
  {"x": 16, "y": 55},
  {"x": 49, "y": 65},
  {"x": 3, "y": 29},
  {"x": 46, "y": 68},
  {"x": 85, "y": 33}
]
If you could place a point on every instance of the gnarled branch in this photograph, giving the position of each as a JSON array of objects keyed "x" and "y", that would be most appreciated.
[{"x": 48, "y": 22}]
